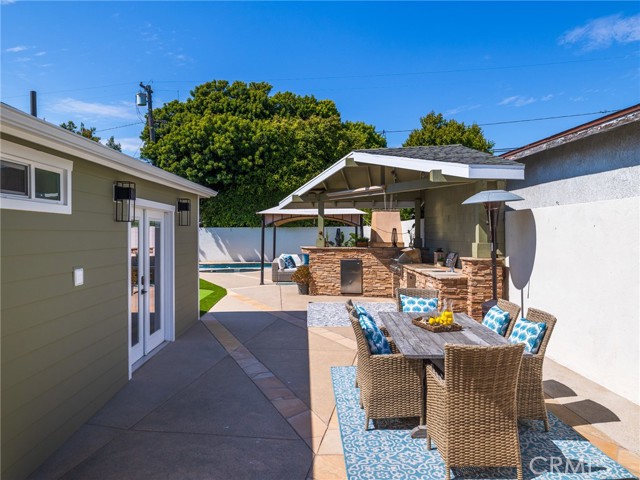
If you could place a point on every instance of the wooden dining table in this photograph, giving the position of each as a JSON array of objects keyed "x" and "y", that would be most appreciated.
[{"x": 415, "y": 342}]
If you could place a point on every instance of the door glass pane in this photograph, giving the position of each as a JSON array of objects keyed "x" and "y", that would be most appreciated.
[
  {"x": 155, "y": 254},
  {"x": 14, "y": 178},
  {"x": 47, "y": 184},
  {"x": 135, "y": 309}
]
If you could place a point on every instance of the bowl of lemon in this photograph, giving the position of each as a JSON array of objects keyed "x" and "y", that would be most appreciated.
[{"x": 438, "y": 322}]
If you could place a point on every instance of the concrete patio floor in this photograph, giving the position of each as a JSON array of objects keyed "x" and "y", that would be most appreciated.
[{"x": 246, "y": 393}]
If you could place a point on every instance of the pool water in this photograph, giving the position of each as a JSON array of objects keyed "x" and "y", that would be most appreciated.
[{"x": 229, "y": 267}]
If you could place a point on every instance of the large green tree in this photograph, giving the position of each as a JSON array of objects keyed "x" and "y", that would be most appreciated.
[
  {"x": 436, "y": 130},
  {"x": 251, "y": 146}
]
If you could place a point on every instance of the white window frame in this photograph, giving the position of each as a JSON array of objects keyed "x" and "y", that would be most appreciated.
[{"x": 35, "y": 159}]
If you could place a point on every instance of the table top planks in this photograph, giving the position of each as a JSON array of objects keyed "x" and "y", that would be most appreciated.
[{"x": 416, "y": 342}]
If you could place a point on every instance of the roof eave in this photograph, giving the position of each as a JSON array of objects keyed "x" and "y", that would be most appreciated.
[{"x": 40, "y": 132}]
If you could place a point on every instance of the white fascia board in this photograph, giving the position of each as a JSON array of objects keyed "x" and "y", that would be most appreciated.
[
  {"x": 24, "y": 126},
  {"x": 473, "y": 171},
  {"x": 453, "y": 169},
  {"x": 496, "y": 172},
  {"x": 315, "y": 181}
]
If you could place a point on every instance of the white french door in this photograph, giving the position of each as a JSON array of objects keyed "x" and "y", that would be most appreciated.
[{"x": 151, "y": 254}]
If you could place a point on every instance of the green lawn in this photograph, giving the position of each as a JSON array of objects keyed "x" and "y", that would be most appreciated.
[{"x": 210, "y": 294}]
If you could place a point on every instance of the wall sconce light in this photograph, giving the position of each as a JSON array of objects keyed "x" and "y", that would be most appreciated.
[
  {"x": 124, "y": 198},
  {"x": 184, "y": 212}
]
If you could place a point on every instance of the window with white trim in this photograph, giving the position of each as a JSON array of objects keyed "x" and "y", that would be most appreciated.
[{"x": 34, "y": 181}]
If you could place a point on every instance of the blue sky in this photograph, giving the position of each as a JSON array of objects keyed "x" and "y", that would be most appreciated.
[{"x": 383, "y": 63}]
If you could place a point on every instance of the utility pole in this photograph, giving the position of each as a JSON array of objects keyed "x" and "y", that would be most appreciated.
[{"x": 152, "y": 131}]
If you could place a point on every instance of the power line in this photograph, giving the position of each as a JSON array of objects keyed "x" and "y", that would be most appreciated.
[
  {"x": 517, "y": 121},
  {"x": 119, "y": 126}
]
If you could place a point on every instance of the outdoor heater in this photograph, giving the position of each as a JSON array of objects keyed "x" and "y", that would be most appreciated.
[{"x": 492, "y": 201}]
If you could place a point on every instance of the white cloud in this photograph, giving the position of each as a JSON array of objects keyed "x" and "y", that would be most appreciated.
[
  {"x": 7, "y": 2},
  {"x": 546, "y": 98},
  {"x": 603, "y": 32},
  {"x": 39, "y": 54},
  {"x": 93, "y": 110},
  {"x": 517, "y": 101},
  {"x": 16, "y": 49},
  {"x": 461, "y": 108}
]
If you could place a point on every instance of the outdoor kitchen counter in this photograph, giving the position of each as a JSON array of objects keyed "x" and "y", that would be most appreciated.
[
  {"x": 467, "y": 287},
  {"x": 377, "y": 278}
]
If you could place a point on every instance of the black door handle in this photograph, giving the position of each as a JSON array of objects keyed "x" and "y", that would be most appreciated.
[{"x": 143, "y": 291}]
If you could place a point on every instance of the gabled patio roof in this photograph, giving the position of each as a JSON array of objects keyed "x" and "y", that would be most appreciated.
[{"x": 371, "y": 178}]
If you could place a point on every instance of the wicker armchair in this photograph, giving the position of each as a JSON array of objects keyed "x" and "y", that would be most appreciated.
[
  {"x": 530, "y": 393},
  {"x": 514, "y": 312},
  {"x": 390, "y": 385},
  {"x": 415, "y": 292},
  {"x": 471, "y": 412}
]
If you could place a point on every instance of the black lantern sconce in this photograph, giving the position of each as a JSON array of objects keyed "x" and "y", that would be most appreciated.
[
  {"x": 124, "y": 198},
  {"x": 184, "y": 212}
]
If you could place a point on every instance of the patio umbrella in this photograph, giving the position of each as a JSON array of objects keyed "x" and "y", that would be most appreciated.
[{"x": 492, "y": 201}]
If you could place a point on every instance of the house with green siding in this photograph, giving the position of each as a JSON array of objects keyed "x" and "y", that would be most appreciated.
[{"x": 99, "y": 270}]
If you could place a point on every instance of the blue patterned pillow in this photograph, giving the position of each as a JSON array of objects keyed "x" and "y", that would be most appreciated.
[
  {"x": 305, "y": 258},
  {"x": 289, "y": 262},
  {"x": 378, "y": 344},
  {"x": 422, "y": 305},
  {"x": 497, "y": 320},
  {"x": 529, "y": 333}
]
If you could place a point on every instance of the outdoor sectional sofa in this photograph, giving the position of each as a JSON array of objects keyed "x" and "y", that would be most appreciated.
[{"x": 278, "y": 271}]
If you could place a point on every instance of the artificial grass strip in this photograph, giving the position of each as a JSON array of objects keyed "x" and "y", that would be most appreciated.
[{"x": 210, "y": 294}]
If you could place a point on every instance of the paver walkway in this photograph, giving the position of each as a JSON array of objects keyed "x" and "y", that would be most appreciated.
[{"x": 246, "y": 393}]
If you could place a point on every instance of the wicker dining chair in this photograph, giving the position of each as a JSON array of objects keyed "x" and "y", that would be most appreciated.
[
  {"x": 351, "y": 310},
  {"x": 472, "y": 412},
  {"x": 531, "y": 403},
  {"x": 514, "y": 313},
  {"x": 415, "y": 292},
  {"x": 390, "y": 385}
]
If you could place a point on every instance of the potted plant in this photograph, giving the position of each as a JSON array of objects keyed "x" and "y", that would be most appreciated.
[
  {"x": 362, "y": 242},
  {"x": 302, "y": 276}
]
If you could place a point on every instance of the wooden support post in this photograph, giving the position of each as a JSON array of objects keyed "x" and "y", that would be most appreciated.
[{"x": 320, "y": 238}]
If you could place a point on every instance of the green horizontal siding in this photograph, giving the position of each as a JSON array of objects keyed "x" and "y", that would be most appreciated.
[{"x": 64, "y": 349}]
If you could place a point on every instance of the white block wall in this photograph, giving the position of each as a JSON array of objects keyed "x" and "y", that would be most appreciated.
[{"x": 243, "y": 244}]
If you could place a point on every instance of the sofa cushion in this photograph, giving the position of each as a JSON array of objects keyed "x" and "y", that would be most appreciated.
[
  {"x": 281, "y": 262},
  {"x": 528, "y": 332},
  {"x": 416, "y": 304},
  {"x": 378, "y": 344},
  {"x": 288, "y": 262},
  {"x": 497, "y": 320},
  {"x": 297, "y": 259}
]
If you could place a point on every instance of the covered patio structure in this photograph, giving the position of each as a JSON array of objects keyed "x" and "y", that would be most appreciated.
[
  {"x": 278, "y": 216},
  {"x": 433, "y": 181}
]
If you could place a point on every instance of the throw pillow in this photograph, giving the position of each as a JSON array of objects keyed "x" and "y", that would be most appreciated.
[
  {"x": 305, "y": 258},
  {"x": 378, "y": 344},
  {"x": 289, "y": 262},
  {"x": 497, "y": 320},
  {"x": 415, "y": 304},
  {"x": 281, "y": 262},
  {"x": 529, "y": 333}
]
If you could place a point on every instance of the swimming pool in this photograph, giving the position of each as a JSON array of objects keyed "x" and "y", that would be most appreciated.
[{"x": 229, "y": 267}]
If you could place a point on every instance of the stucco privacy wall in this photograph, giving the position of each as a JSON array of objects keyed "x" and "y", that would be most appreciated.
[
  {"x": 243, "y": 244},
  {"x": 573, "y": 247},
  {"x": 64, "y": 348}
]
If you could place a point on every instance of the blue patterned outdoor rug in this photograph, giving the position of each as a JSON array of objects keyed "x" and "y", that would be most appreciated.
[{"x": 388, "y": 451}]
